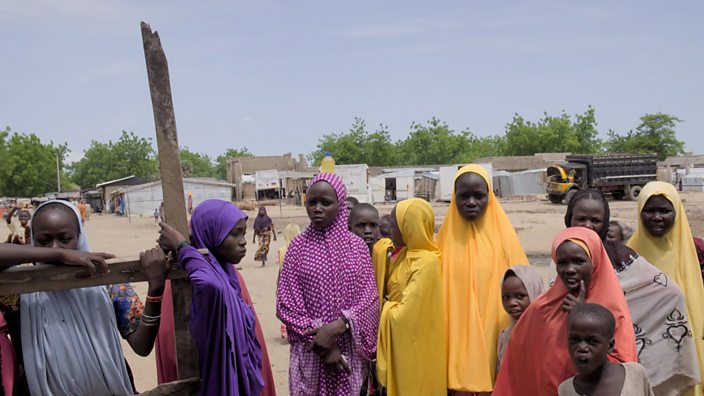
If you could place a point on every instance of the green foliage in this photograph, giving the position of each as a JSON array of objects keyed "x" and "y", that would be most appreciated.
[
  {"x": 358, "y": 146},
  {"x": 130, "y": 155},
  {"x": 221, "y": 161},
  {"x": 655, "y": 134},
  {"x": 28, "y": 166},
  {"x": 553, "y": 134},
  {"x": 432, "y": 143},
  {"x": 435, "y": 143},
  {"x": 196, "y": 164}
]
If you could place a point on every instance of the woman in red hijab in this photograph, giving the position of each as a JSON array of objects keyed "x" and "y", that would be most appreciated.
[{"x": 537, "y": 357}]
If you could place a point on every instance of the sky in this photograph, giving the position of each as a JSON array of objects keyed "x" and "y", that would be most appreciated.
[{"x": 276, "y": 76}]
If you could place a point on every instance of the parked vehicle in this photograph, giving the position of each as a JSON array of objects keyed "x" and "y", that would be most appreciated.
[{"x": 621, "y": 175}]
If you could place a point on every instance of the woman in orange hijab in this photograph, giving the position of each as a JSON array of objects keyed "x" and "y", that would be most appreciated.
[
  {"x": 478, "y": 244},
  {"x": 537, "y": 357}
]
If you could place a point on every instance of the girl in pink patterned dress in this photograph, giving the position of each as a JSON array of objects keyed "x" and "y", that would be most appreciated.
[{"x": 327, "y": 298}]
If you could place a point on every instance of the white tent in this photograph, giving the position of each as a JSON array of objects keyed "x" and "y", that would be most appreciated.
[{"x": 141, "y": 200}]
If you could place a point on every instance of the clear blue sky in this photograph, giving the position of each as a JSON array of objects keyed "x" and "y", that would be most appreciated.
[{"x": 275, "y": 76}]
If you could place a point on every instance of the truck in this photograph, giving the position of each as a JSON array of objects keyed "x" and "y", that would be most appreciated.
[{"x": 620, "y": 175}]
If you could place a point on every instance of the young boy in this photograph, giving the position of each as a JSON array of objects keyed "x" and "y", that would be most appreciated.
[
  {"x": 364, "y": 222},
  {"x": 590, "y": 338},
  {"x": 385, "y": 226},
  {"x": 351, "y": 202}
]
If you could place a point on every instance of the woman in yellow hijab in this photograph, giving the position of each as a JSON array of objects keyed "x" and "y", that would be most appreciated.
[
  {"x": 664, "y": 239},
  {"x": 478, "y": 244},
  {"x": 411, "y": 344}
]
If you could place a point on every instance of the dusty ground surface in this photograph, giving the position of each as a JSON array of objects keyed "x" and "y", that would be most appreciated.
[{"x": 536, "y": 220}]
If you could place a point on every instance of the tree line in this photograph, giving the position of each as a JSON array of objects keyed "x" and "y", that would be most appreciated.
[
  {"x": 435, "y": 142},
  {"x": 28, "y": 166}
]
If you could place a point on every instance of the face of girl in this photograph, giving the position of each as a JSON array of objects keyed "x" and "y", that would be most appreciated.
[
  {"x": 396, "y": 236},
  {"x": 514, "y": 296},
  {"x": 262, "y": 211},
  {"x": 471, "y": 196},
  {"x": 322, "y": 205},
  {"x": 234, "y": 246},
  {"x": 658, "y": 216},
  {"x": 573, "y": 266},
  {"x": 588, "y": 213},
  {"x": 54, "y": 226}
]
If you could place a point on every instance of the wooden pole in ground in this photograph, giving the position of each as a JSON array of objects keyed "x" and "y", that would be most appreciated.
[{"x": 172, "y": 186}]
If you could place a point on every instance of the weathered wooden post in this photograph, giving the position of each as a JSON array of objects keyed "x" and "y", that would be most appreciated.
[{"x": 172, "y": 185}]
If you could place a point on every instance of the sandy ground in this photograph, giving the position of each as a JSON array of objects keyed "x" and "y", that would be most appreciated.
[{"x": 536, "y": 220}]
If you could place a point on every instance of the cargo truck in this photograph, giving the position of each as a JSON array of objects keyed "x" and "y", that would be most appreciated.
[{"x": 620, "y": 175}]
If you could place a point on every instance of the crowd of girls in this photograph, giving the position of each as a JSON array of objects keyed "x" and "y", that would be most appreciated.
[{"x": 384, "y": 305}]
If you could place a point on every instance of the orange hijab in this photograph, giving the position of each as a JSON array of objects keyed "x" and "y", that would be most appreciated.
[{"x": 537, "y": 357}]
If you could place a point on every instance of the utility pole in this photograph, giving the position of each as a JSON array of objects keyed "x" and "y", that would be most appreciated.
[{"x": 58, "y": 174}]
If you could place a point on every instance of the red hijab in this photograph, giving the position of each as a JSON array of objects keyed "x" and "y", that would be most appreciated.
[{"x": 537, "y": 357}]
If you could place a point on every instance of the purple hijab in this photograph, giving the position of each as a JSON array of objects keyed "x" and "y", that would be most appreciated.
[
  {"x": 222, "y": 325},
  {"x": 262, "y": 221},
  {"x": 327, "y": 274}
]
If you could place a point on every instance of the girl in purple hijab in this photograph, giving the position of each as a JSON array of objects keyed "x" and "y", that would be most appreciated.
[
  {"x": 327, "y": 298},
  {"x": 222, "y": 325}
]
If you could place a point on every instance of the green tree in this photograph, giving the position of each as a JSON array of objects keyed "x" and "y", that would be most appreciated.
[
  {"x": 358, "y": 146},
  {"x": 553, "y": 134},
  {"x": 221, "y": 160},
  {"x": 435, "y": 143},
  {"x": 655, "y": 134},
  {"x": 28, "y": 166},
  {"x": 130, "y": 155},
  {"x": 482, "y": 147},
  {"x": 196, "y": 164}
]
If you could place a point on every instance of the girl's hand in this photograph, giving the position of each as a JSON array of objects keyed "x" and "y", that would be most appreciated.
[
  {"x": 169, "y": 238},
  {"x": 93, "y": 262},
  {"x": 571, "y": 301},
  {"x": 156, "y": 267},
  {"x": 326, "y": 337},
  {"x": 335, "y": 361}
]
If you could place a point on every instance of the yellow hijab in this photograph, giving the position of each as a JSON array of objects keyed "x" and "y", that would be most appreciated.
[
  {"x": 380, "y": 259},
  {"x": 410, "y": 348},
  {"x": 291, "y": 231},
  {"x": 676, "y": 256},
  {"x": 475, "y": 256}
]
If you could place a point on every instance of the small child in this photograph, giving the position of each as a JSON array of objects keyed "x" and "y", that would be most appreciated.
[
  {"x": 590, "y": 330},
  {"x": 364, "y": 222},
  {"x": 351, "y": 202},
  {"x": 385, "y": 226},
  {"x": 520, "y": 286}
]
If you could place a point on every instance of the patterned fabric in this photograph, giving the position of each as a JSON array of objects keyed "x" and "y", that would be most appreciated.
[
  {"x": 327, "y": 274},
  {"x": 128, "y": 308},
  {"x": 264, "y": 241},
  {"x": 676, "y": 256}
]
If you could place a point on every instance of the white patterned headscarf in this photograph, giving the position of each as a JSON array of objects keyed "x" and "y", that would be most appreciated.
[{"x": 70, "y": 340}]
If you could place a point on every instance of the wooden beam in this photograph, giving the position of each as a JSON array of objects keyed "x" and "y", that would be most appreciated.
[
  {"x": 49, "y": 277},
  {"x": 172, "y": 187}
]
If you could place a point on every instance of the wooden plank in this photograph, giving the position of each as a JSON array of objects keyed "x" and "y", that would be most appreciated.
[
  {"x": 49, "y": 277},
  {"x": 172, "y": 187}
]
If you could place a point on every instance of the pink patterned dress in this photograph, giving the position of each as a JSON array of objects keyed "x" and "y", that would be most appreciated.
[{"x": 327, "y": 274}]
